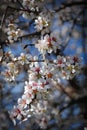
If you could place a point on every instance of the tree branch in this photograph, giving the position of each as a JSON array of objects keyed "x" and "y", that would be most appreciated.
[{"x": 76, "y": 3}]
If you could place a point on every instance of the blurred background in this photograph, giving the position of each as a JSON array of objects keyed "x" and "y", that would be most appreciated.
[{"x": 68, "y": 105}]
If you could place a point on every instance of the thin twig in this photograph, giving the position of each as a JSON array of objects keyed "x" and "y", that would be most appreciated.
[
  {"x": 3, "y": 17},
  {"x": 30, "y": 34},
  {"x": 64, "y": 91},
  {"x": 20, "y": 4}
]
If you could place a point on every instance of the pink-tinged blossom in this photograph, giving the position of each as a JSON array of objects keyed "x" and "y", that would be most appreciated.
[
  {"x": 17, "y": 113},
  {"x": 8, "y": 75},
  {"x": 60, "y": 61},
  {"x": 48, "y": 44}
]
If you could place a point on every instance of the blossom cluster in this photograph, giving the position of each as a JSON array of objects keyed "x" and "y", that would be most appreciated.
[
  {"x": 32, "y": 6},
  {"x": 11, "y": 72},
  {"x": 13, "y": 32},
  {"x": 40, "y": 78},
  {"x": 63, "y": 66},
  {"x": 33, "y": 90},
  {"x": 12, "y": 63},
  {"x": 67, "y": 67},
  {"x": 48, "y": 44}
]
